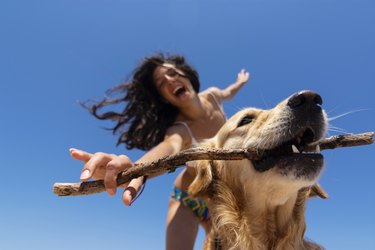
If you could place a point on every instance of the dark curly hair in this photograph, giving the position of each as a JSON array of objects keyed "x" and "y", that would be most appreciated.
[{"x": 143, "y": 122}]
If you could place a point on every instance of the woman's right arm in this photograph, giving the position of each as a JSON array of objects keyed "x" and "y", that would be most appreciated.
[{"x": 107, "y": 166}]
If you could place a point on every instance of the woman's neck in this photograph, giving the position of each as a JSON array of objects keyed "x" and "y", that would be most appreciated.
[{"x": 194, "y": 111}]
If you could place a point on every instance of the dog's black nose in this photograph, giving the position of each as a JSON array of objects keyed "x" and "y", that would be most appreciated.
[{"x": 305, "y": 98}]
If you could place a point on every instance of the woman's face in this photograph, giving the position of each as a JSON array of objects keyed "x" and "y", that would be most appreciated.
[{"x": 172, "y": 84}]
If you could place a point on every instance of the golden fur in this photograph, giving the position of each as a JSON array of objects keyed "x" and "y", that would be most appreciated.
[{"x": 255, "y": 208}]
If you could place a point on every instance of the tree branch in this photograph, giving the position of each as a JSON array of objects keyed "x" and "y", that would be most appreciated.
[{"x": 170, "y": 163}]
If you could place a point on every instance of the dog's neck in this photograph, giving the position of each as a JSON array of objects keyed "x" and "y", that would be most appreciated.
[
  {"x": 278, "y": 214},
  {"x": 269, "y": 221},
  {"x": 274, "y": 220}
]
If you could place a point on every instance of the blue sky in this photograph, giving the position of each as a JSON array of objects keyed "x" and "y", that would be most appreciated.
[{"x": 53, "y": 53}]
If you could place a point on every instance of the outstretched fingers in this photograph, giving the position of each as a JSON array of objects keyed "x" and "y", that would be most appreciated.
[
  {"x": 80, "y": 154},
  {"x": 116, "y": 165},
  {"x": 106, "y": 167},
  {"x": 243, "y": 76},
  {"x": 96, "y": 167},
  {"x": 85, "y": 157}
]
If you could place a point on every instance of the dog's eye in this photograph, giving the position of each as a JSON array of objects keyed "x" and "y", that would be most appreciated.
[{"x": 246, "y": 120}]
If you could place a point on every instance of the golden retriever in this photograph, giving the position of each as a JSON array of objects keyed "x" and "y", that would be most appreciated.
[{"x": 260, "y": 204}]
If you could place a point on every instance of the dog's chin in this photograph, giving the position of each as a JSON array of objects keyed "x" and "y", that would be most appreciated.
[{"x": 306, "y": 166}]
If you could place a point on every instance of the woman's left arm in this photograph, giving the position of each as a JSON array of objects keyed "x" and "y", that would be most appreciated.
[{"x": 229, "y": 92}]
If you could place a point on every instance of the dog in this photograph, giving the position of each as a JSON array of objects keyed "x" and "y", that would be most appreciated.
[{"x": 260, "y": 204}]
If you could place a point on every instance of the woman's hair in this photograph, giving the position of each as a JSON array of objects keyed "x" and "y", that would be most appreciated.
[{"x": 143, "y": 122}]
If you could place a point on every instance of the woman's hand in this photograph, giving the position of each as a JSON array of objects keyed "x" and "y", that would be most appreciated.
[
  {"x": 103, "y": 166},
  {"x": 229, "y": 92},
  {"x": 243, "y": 76}
]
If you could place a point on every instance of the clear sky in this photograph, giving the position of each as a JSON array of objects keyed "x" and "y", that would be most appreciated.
[{"x": 55, "y": 52}]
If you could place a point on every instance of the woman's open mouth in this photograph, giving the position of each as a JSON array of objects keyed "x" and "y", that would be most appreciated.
[{"x": 180, "y": 91}]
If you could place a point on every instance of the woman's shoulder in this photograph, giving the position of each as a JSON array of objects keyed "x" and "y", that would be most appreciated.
[
  {"x": 211, "y": 91},
  {"x": 212, "y": 94}
]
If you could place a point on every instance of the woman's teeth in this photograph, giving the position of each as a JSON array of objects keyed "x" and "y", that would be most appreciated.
[{"x": 179, "y": 91}]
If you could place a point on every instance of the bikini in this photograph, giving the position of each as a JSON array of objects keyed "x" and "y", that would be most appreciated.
[{"x": 197, "y": 205}]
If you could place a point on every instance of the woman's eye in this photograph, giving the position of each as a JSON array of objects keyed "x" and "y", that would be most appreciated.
[
  {"x": 171, "y": 73},
  {"x": 245, "y": 120}
]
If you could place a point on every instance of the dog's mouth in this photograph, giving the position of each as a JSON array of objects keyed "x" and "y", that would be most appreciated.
[{"x": 293, "y": 153}]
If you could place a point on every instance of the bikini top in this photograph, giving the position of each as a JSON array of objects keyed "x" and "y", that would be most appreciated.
[{"x": 193, "y": 140}]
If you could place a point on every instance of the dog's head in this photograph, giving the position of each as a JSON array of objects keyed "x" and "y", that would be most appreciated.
[{"x": 281, "y": 135}]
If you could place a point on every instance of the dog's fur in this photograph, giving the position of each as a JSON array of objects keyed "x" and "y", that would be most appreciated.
[{"x": 260, "y": 204}]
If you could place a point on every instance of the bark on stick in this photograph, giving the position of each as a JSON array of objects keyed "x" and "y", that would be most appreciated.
[{"x": 170, "y": 163}]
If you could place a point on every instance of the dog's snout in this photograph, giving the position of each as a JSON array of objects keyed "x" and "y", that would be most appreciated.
[{"x": 305, "y": 98}]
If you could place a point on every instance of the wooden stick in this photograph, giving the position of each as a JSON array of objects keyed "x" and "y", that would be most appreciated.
[{"x": 170, "y": 163}]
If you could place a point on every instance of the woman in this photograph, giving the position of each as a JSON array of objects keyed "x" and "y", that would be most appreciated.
[{"x": 163, "y": 114}]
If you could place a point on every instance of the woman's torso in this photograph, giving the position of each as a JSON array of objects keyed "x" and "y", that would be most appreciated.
[{"x": 201, "y": 129}]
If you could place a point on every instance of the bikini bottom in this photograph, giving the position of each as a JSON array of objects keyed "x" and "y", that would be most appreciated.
[{"x": 198, "y": 206}]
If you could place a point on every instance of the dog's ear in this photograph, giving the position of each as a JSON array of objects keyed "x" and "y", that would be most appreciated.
[
  {"x": 317, "y": 190},
  {"x": 202, "y": 183}
]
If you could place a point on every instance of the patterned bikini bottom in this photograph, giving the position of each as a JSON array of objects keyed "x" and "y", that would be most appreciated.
[{"x": 198, "y": 206}]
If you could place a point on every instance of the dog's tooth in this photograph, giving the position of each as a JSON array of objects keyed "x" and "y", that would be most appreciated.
[
  {"x": 295, "y": 149},
  {"x": 317, "y": 148}
]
